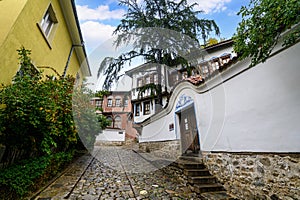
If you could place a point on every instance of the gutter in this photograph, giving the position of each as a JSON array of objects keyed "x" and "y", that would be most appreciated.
[
  {"x": 69, "y": 57},
  {"x": 80, "y": 35}
]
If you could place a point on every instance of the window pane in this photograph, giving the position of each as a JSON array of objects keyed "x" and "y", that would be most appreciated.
[
  {"x": 147, "y": 108},
  {"x": 118, "y": 102},
  {"x": 98, "y": 103},
  {"x": 137, "y": 109},
  {"x": 109, "y": 103},
  {"x": 48, "y": 21},
  {"x": 126, "y": 103}
]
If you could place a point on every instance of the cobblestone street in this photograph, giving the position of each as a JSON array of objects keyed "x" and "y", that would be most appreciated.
[{"x": 118, "y": 173}]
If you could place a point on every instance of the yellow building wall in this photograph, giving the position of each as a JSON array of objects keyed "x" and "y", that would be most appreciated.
[
  {"x": 25, "y": 32},
  {"x": 10, "y": 10}
]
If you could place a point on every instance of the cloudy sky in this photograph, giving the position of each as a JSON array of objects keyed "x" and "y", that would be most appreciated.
[{"x": 99, "y": 18}]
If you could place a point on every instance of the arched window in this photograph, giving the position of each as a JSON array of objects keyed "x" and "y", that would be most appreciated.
[
  {"x": 109, "y": 118},
  {"x": 118, "y": 122}
]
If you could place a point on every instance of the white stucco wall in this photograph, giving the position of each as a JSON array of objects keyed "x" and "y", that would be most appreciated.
[
  {"x": 257, "y": 110},
  {"x": 111, "y": 135},
  {"x": 262, "y": 108}
]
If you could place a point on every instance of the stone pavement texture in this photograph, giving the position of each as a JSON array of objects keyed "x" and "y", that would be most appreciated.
[{"x": 119, "y": 173}]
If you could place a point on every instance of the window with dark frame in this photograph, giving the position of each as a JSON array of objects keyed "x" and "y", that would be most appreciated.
[
  {"x": 109, "y": 102},
  {"x": 118, "y": 102},
  {"x": 137, "y": 109},
  {"x": 147, "y": 108},
  {"x": 99, "y": 103},
  {"x": 126, "y": 103}
]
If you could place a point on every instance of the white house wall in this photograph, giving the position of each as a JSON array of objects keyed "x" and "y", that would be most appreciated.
[
  {"x": 109, "y": 135},
  {"x": 263, "y": 108},
  {"x": 257, "y": 110}
]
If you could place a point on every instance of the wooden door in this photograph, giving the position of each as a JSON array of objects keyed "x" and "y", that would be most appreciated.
[{"x": 189, "y": 133}]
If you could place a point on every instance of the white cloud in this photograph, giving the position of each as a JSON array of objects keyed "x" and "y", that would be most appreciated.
[
  {"x": 102, "y": 12},
  {"x": 210, "y": 6},
  {"x": 96, "y": 33}
]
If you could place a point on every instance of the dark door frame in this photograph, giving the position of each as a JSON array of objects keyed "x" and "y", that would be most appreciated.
[{"x": 190, "y": 138}]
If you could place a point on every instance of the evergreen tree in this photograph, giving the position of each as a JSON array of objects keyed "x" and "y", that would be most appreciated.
[{"x": 162, "y": 32}]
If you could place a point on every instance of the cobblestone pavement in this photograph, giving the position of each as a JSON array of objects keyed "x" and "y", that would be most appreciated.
[{"x": 119, "y": 173}]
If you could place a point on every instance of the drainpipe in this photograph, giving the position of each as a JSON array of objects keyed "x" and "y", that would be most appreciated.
[{"x": 69, "y": 58}]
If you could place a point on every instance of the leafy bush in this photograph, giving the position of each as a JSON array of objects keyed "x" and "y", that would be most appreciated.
[
  {"x": 88, "y": 124},
  {"x": 36, "y": 112},
  {"x": 36, "y": 121},
  {"x": 19, "y": 179}
]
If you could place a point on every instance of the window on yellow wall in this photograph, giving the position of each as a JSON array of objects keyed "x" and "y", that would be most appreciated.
[
  {"x": 48, "y": 21},
  {"x": 48, "y": 24}
]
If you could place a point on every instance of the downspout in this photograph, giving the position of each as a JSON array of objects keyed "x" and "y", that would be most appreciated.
[{"x": 69, "y": 58}]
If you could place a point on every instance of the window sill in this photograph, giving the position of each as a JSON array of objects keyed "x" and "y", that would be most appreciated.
[{"x": 44, "y": 35}]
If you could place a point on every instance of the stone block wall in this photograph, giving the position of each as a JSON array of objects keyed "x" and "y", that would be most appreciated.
[
  {"x": 164, "y": 149},
  {"x": 257, "y": 176},
  {"x": 109, "y": 143}
]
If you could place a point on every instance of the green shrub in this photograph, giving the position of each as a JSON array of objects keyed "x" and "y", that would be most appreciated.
[
  {"x": 18, "y": 180},
  {"x": 36, "y": 112},
  {"x": 88, "y": 124}
]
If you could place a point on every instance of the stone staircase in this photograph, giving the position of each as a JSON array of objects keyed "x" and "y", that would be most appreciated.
[{"x": 202, "y": 182}]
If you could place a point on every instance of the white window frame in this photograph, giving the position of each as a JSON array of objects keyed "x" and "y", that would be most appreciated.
[
  {"x": 118, "y": 102},
  {"x": 109, "y": 102},
  {"x": 48, "y": 21},
  {"x": 48, "y": 25}
]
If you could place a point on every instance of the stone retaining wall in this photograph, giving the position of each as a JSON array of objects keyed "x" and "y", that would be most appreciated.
[
  {"x": 257, "y": 176},
  {"x": 163, "y": 149},
  {"x": 109, "y": 143}
]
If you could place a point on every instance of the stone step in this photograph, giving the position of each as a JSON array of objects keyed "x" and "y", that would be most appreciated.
[
  {"x": 202, "y": 179},
  {"x": 196, "y": 172},
  {"x": 197, "y": 159},
  {"x": 189, "y": 165},
  {"x": 200, "y": 188},
  {"x": 220, "y": 195}
]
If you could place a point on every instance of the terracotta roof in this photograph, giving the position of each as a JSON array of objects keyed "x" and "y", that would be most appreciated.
[
  {"x": 195, "y": 80},
  {"x": 198, "y": 79}
]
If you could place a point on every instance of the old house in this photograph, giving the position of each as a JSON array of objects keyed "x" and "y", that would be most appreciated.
[
  {"x": 50, "y": 29},
  {"x": 144, "y": 94},
  {"x": 241, "y": 121},
  {"x": 116, "y": 107}
]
